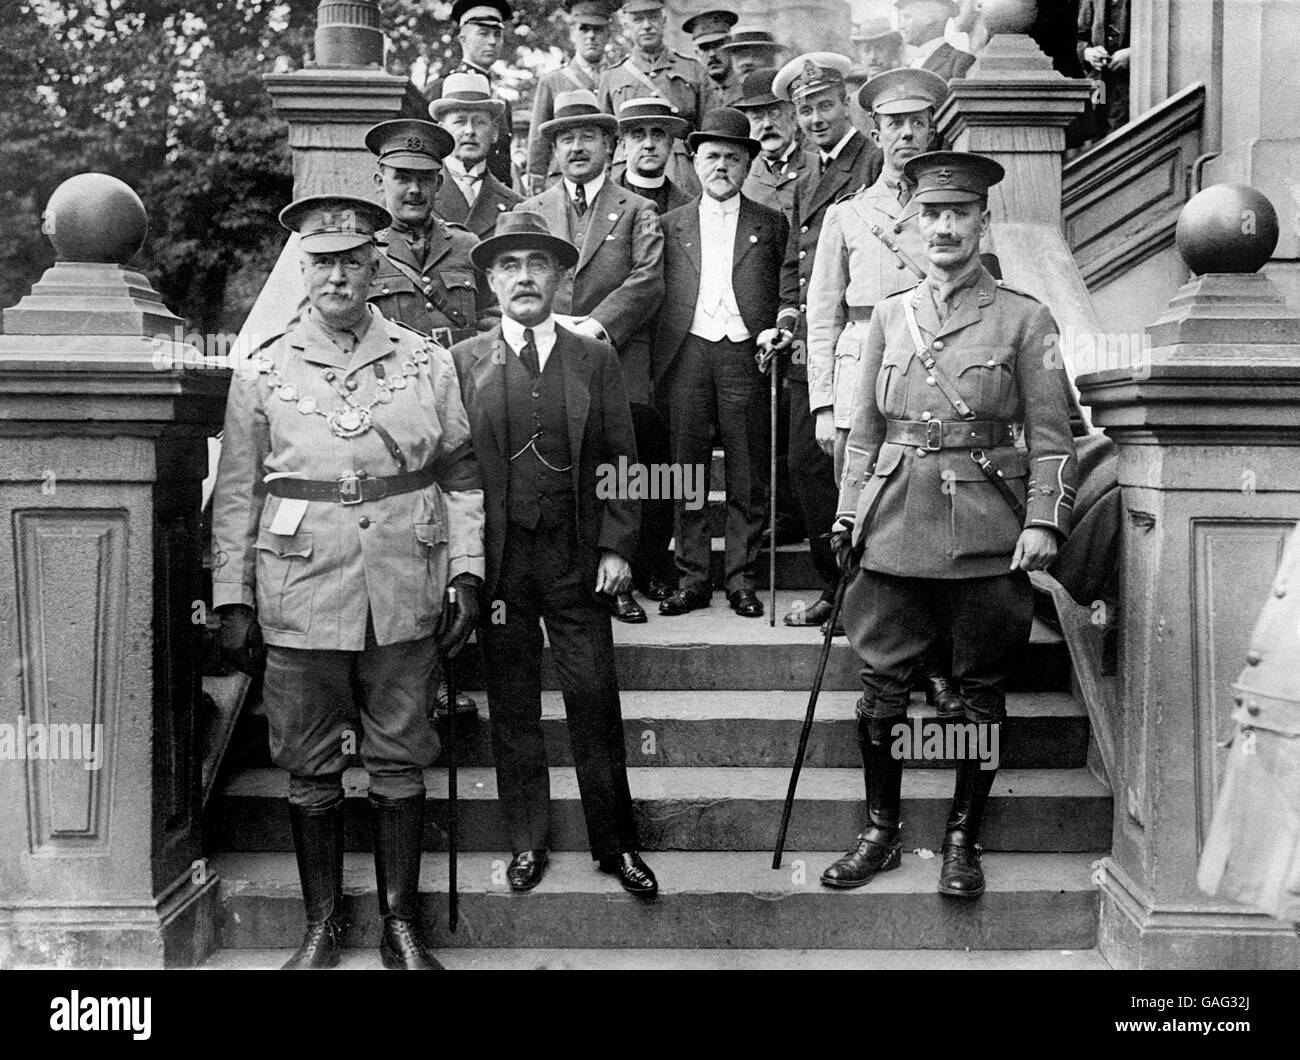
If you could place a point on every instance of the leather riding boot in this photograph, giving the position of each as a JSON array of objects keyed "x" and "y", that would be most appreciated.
[
  {"x": 398, "y": 825},
  {"x": 880, "y": 847},
  {"x": 961, "y": 875},
  {"x": 318, "y": 846}
]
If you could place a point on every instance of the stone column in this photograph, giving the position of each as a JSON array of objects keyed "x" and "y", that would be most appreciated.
[
  {"x": 1209, "y": 443},
  {"x": 102, "y": 452}
]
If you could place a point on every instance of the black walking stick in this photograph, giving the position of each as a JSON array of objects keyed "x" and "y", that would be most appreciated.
[
  {"x": 771, "y": 532},
  {"x": 808, "y": 718},
  {"x": 449, "y": 676}
]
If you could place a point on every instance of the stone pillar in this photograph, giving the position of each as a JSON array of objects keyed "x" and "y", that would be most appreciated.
[
  {"x": 102, "y": 451},
  {"x": 1209, "y": 442}
]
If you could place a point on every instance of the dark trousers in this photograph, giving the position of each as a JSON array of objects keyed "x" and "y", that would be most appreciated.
[
  {"x": 788, "y": 512},
  {"x": 718, "y": 384},
  {"x": 653, "y": 447},
  {"x": 892, "y": 622},
  {"x": 545, "y": 577},
  {"x": 813, "y": 474}
]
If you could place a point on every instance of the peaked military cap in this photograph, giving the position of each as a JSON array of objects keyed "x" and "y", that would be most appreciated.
[
  {"x": 710, "y": 26},
  {"x": 951, "y": 176},
  {"x": 903, "y": 91},
  {"x": 633, "y": 6},
  {"x": 589, "y": 12},
  {"x": 652, "y": 110},
  {"x": 810, "y": 73},
  {"x": 410, "y": 143},
  {"x": 327, "y": 224},
  {"x": 482, "y": 12}
]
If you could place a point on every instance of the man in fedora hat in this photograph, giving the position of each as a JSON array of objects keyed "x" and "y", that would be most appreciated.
[
  {"x": 547, "y": 411},
  {"x": 722, "y": 262},
  {"x": 481, "y": 29},
  {"x": 653, "y": 69},
  {"x": 647, "y": 129},
  {"x": 922, "y": 24},
  {"x": 347, "y": 498},
  {"x": 588, "y": 22},
  {"x": 751, "y": 48},
  {"x": 473, "y": 197},
  {"x": 880, "y": 47},
  {"x": 708, "y": 32},
  {"x": 617, "y": 283},
  {"x": 844, "y": 162},
  {"x": 942, "y": 513}
]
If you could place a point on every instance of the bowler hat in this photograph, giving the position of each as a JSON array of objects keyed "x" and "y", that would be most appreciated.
[
  {"x": 466, "y": 91},
  {"x": 576, "y": 108},
  {"x": 756, "y": 89},
  {"x": 327, "y": 224},
  {"x": 726, "y": 124},
  {"x": 650, "y": 110},
  {"x": 523, "y": 230},
  {"x": 951, "y": 176},
  {"x": 410, "y": 143}
]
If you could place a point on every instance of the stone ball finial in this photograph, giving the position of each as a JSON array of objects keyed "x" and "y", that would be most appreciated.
[
  {"x": 93, "y": 217},
  {"x": 1227, "y": 228},
  {"x": 1008, "y": 16}
]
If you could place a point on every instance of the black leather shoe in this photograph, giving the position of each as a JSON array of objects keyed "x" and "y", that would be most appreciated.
[
  {"x": 626, "y": 609},
  {"x": 839, "y": 628},
  {"x": 876, "y": 851},
  {"x": 944, "y": 694},
  {"x": 961, "y": 875},
  {"x": 809, "y": 616},
  {"x": 683, "y": 600},
  {"x": 401, "y": 949},
  {"x": 319, "y": 949},
  {"x": 525, "y": 869},
  {"x": 633, "y": 873},
  {"x": 746, "y": 603},
  {"x": 658, "y": 588}
]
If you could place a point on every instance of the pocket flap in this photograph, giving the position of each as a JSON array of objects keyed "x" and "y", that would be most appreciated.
[
  {"x": 432, "y": 533},
  {"x": 887, "y": 459},
  {"x": 284, "y": 545},
  {"x": 897, "y": 357},
  {"x": 989, "y": 358},
  {"x": 457, "y": 278}
]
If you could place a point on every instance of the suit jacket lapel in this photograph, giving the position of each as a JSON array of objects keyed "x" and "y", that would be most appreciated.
[
  {"x": 399, "y": 249},
  {"x": 577, "y": 394},
  {"x": 451, "y": 202},
  {"x": 837, "y": 176},
  {"x": 553, "y": 204},
  {"x": 687, "y": 233},
  {"x": 749, "y": 232},
  {"x": 378, "y": 342},
  {"x": 605, "y": 211},
  {"x": 489, "y": 377},
  {"x": 971, "y": 309}
]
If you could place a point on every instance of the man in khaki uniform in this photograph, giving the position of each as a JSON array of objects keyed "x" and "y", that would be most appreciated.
[
  {"x": 653, "y": 69},
  {"x": 708, "y": 32},
  {"x": 941, "y": 514},
  {"x": 347, "y": 498}
]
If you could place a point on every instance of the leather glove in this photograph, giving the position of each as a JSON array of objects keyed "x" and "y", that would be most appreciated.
[
  {"x": 460, "y": 618},
  {"x": 846, "y": 556},
  {"x": 241, "y": 639}
]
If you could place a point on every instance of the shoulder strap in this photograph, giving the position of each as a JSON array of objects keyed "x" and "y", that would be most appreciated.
[
  {"x": 923, "y": 353},
  {"x": 642, "y": 76},
  {"x": 434, "y": 292}
]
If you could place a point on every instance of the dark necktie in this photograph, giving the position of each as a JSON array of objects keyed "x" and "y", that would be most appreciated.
[
  {"x": 529, "y": 354},
  {"x": 419, "y": 244},
  {"x": 823, "y": 164},
  {"x": 904, "y": 193},
  {"x": 580, "y": 200}
]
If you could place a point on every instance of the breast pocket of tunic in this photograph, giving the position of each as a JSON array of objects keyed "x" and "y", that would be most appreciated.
[
  {"x": 284, "y": 582},
  {"x": 432, "y": 558},
  {"x": 461, "y": 291},
  {"x": 986, "y": 379},
  {"x": 983, "y": 523},
  {"x": 844, "y": 372},
  {"x": 892, "y": 383}
]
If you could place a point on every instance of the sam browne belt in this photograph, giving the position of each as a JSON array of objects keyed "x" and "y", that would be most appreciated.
[{"x": 933, "y": 435}]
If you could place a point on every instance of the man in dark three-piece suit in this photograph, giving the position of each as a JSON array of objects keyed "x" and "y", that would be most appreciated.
[
  {"x": 615, "y": 288},
  {"x": 548, "y": 414},
  {"x": 722, "y": 262}
]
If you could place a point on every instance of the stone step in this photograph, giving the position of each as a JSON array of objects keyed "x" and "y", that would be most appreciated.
[
  {"x": 675, "y": 729},
  {"x": 716, "y": 649},
  {"x": 794, "y": 567},
  {"x": 700, "y": 810},
  {"x": 706, "y": 901},
  {"x": 460, "y": 959}
]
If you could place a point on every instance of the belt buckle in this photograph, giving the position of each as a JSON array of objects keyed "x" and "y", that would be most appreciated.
[
  {"x": 933, "y": 435},
  {"x": 350, "y": 489}
]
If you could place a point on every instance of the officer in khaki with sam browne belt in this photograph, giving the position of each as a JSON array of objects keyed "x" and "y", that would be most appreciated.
[
  {"x": 941, "y": 515},
  {"x": 347, "y": 497}
]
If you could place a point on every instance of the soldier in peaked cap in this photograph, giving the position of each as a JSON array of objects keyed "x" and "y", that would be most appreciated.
[
  {"x": 652, "y": 69},
  {"x": 751, "y": 48},
  {"x": 845, "y": 161},
  {"x": 589, "y": 31},
  {"x": 481, "y": 32},
  {"x": 709, "y": 31},
  {"x": 941, "y": 514},
  {"x": 472, "y": 196},
  {"x": 347, "y": 499}
]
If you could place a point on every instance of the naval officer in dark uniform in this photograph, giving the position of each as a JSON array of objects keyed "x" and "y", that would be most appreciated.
[{"x": 941, "y": 514}]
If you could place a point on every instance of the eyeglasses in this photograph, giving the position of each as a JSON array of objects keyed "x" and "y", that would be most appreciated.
[{"x": 535, "y": 267}]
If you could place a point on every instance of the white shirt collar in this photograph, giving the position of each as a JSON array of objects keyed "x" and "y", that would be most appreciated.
[
  {"x": 708, "y": 204},
  {"x": 593, "y": 187},
  {"x": 457, "y": 168},
  {"x": 513, "y": 332},
  {"x": 638, "y": 181},
  {"x": 921, "y": 52},
  {"x": 835, "y": 151}
]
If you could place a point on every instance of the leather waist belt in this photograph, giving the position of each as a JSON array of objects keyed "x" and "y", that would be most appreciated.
[
  {"x": 860, "y": 312},
  {"x": 353, "y": 489},
  {"x": 934, "y": 435},
  {"x": 448, "y": 337}
]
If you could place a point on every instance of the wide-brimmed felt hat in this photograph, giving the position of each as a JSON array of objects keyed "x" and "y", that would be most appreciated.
[
  {"x": 327, "y": 224},
  {"x": 410, "y": 143},
  {"x": 952, "y": 176},
  {"x": 728, "y": 125},
  {"x": 574, "y": 109},
  {"x": 652, "y": 110},
  {"x": 875, "y": 30},
  {"x": 523, "y": 230},
  {"x": 467, "y": 91},
  {"x": 756, "y": 89},
  {"x": 810, "y": 73},
  {"x": 902, "y": 91}
]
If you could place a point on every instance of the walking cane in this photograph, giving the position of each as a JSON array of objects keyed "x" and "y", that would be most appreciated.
[
  {"x": 449, "y": 676},
  {"x": 771, "y": 522},
  {"x": 827, "y": 637}
]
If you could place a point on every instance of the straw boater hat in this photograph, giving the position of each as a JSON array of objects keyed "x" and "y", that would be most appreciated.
[
  {"x": 650, "y": 110},
  {"x": 523, "y": 230},
  {"x": 410, "y": 143},
  {"x": 467, "y": 91},
  {"x": 327, "y": 224},
  {"x": 574, "y": 109},
  {"x": 728, "y": 125}
]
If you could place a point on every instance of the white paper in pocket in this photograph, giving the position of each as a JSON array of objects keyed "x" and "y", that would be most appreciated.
[{"x": 288, "y": 516}]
